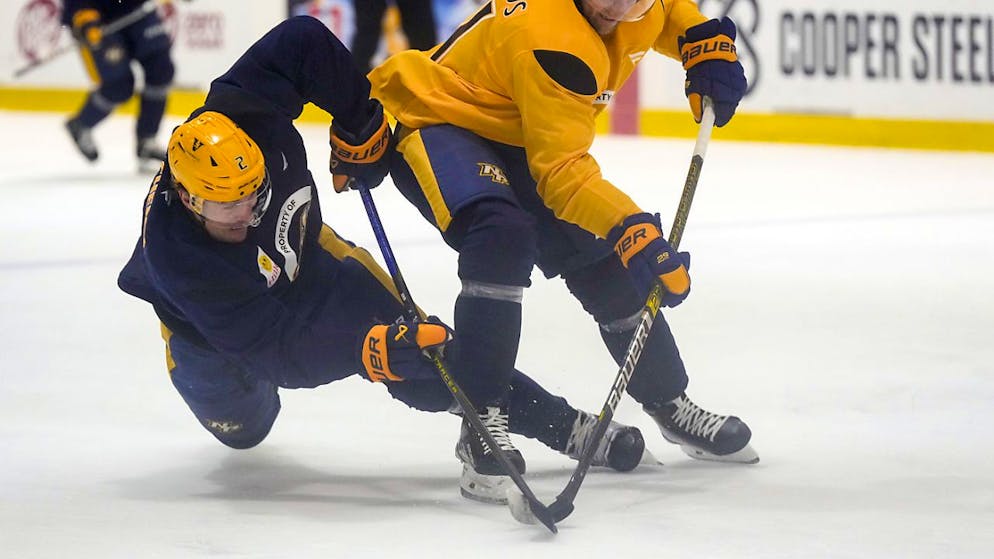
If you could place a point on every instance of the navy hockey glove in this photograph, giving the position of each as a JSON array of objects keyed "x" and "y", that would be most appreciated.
[
  {"x": 363, "y": 156},
  {"x": 399, "y": 351},
  {"x": 86, "y": 28},
  {"x": 640, "y": 244},
  {"x": 713, "y": 68}
]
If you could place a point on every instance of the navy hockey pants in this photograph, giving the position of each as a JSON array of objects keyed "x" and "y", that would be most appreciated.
[{"x": 479, "y": 194}]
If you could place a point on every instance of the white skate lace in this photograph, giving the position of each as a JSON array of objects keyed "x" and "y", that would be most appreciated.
[
  {"x": 580, "y": 437},
  {"x": 696, "y": 421},
  {"x": 496, "y": 423}
]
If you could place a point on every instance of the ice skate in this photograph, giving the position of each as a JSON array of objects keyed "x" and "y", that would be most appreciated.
[
  {"x": 483, "y": 477},
  {"x": 621, "y": 448},
  {"x": 702, "y": 434},
  {"x": 150, "y": 155},
  {"x": 82, "y": 137}
]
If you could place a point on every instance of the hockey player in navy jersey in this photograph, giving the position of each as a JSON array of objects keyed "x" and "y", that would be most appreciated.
[
  {"x": 108, "y": 57},
  {"x": 256, "y": 294}
]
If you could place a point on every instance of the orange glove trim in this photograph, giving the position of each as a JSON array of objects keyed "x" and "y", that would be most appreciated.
[
  {"x": 676, "y": 282},
  {"x": 720, "y": 47},
  {"x": 634, "y": 240},
  {"x": 369, "y": 152},
  {"x": 87, "y": 23},
  {"x": 341, "y": 183},
  {"x": 696, "y": 106},
  {"x": 431, "y": 335},
  {"x": 83, "y": 17},
  {"x": 374, "y": 355}
]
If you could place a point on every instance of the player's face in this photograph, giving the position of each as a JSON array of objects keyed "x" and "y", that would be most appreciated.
[
  {"x": 605, "y": 15},
  {"x": 229, "y": 221}
]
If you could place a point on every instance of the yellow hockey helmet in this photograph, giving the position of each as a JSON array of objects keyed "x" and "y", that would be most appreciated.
[{"x": 215, "y": 160}]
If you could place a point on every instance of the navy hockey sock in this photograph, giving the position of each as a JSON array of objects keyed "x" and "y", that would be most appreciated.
[
  {"x": 538, "y": 414},
  {"x": 94, "y": 110},
  {"x": 485, "y": 347},
  {"x": 660, "y": 375}
]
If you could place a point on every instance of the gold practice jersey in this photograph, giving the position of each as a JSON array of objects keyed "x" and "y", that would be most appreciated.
[{"x": 535, "y": 74}]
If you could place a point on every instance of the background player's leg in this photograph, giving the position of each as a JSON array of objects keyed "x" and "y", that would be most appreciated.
[
  {"x": 369, "y": 27},
  {"x": 151, "y": 46},
  {"x": 418, "y": 22},
  {"x": 108, "y": 68}
]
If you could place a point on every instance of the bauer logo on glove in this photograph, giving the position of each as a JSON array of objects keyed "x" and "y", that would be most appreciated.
[
  {"x": 362, "y": 156},
  {"x": 639, "y": 243},
  {"x": 714, "y": 48},
  {"x": 397, "y": 352},
  {"x": 634, "y": 240},
  {"x": 713, "y": 69},
  {"x": 368, "y": 152}
]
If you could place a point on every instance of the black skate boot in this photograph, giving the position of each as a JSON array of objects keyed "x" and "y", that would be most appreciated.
[
  {"x": 83, "y": 138},
  {"x": 483, "y": 478},
  {"x": 621, "y": 448},
  {"x": 702, "y": 434},
  {"x": 150, "y": 155}
]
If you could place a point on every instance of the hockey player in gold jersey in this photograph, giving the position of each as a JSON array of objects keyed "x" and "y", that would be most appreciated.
[{"x": 494, "y": 128}]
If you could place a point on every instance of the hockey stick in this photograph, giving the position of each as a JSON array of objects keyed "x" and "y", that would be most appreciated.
[
  {"x": 113, "y": 27},
  {"x": 538, "y": 510},
  {"x": 563, "y": 505}
]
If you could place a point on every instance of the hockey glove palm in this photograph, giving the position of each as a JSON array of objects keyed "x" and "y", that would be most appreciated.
[
  {"x": 713, "y": 68},
  {"x": 640, "y": 244},
  {"x": 363, "y": 156},
  {"x": 399, "y": 351}
]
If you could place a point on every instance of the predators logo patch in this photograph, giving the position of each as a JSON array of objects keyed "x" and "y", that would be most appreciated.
[
  {"x": 495, "y": 173},
  {"x": 269, "y": 269}
]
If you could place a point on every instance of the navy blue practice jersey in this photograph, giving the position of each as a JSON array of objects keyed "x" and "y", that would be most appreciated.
[
  {"x": 271, "y": 302},
  {"x": 109, "y": 9}
]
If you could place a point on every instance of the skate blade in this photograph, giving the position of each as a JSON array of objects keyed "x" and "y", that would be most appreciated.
[
  {"x": 649, "y": 459},
  {"x": 745, "y": 455},
  {"x": 483, "y": 488}
]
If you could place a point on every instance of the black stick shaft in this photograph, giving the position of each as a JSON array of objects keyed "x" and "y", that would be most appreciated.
[{"x": 563, "y": 505}]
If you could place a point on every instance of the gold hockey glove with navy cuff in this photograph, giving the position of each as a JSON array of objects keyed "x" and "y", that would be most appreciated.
[{"x": 363, "y": 156}]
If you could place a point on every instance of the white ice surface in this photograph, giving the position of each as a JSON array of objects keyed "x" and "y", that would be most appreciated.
[{"x": 842, "y": 305}]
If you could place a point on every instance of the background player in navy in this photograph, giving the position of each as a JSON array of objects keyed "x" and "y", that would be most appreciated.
[
  {"x": 256, "y": 294},
  {"x": 495, "y": 129},
  {"x": 416, "y": 19},
  {"x": 108, "y": 61}
]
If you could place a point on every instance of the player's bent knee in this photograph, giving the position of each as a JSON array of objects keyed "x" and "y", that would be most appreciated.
[
  {"x": 241, "y": 443},
  {"x": 605, "y": 290},
  {"x": 118, "y": 90},
  {"x": 159, "y": 69},
  {"x": 498, "y": 245},
  {"x": 243, "y": 434}
]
